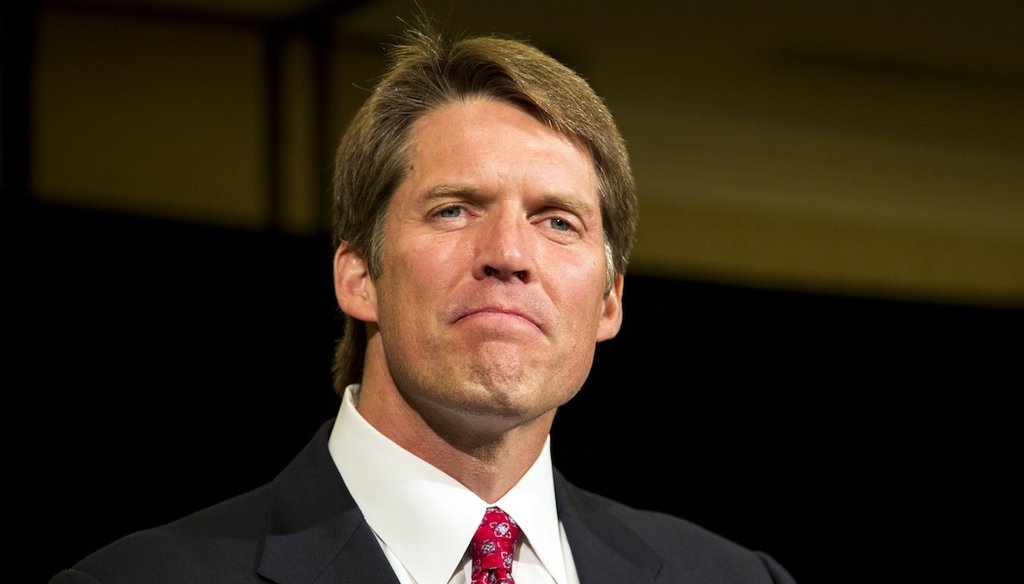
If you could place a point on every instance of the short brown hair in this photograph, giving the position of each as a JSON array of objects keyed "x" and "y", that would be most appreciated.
[{"x": 427, "y": 72}]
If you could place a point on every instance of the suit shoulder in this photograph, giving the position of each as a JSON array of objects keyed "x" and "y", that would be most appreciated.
[
  {"x": 201, "y": 547},
  {"x": 687, "y": 551}
]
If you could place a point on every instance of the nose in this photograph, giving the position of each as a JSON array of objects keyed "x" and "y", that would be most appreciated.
[{"x": 503, "y": 249}]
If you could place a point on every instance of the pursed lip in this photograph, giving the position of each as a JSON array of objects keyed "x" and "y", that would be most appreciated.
[{"x": 499, "y": 309}]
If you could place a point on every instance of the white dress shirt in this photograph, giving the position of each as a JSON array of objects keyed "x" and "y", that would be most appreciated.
[{"x": 425, "y": 519}]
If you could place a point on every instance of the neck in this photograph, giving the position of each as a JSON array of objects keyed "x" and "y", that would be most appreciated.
[{"x": 486, "y": 454}]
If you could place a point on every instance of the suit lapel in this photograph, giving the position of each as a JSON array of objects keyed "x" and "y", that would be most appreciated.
[
  {"x": 316, "y": 533},
  {"x": 604, "y": 550}
]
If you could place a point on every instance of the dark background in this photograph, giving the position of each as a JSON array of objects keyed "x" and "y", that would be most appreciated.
[{"x": 170, "y": 366}]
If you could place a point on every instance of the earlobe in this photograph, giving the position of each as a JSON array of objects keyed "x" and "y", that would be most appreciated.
[
  {"x": 611, "y": 316},
  {"x": 353, "y": 286}
]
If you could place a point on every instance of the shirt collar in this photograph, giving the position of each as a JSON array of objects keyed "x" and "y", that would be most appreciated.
[{"x": 423, "y": 515}]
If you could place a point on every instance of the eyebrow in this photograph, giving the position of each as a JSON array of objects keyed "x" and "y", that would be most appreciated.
[
  {"x": 572, "y": 204},
  {"x": 445, "y": 190}
]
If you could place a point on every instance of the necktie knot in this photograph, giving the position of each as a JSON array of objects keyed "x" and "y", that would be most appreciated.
[{"x": 493, "y": 547}]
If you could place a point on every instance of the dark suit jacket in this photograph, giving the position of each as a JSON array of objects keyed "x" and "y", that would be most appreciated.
[{"x": 303, "y": 527}]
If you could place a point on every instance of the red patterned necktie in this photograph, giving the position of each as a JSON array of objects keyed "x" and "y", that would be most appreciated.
[{"x": 492, "y": 548}]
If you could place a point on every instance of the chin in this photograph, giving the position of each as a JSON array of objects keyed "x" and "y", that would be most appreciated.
[{"x": 519, "y": 400}]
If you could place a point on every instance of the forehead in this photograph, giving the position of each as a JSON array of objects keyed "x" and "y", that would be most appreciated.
[{"x": 483, "y": 139}]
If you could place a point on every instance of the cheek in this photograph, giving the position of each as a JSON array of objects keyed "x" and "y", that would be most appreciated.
[
  {"x": 418, "y": 273},
  {"x": 578, "y": 291}
]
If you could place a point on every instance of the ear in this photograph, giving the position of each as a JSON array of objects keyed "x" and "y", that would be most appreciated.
[
  {"x": 353, "y": 286},
  {"x": 611, "y": 316}
]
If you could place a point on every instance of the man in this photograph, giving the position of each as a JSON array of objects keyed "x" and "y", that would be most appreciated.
[{"x": 484, "y": 214}]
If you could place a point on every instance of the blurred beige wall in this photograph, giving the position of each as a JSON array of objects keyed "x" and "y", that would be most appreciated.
[{"x": 769, "y": 149}]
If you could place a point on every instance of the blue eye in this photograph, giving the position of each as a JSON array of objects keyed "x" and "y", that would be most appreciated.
[
  {"x": 450, "y": 212},
  {"x": 560, "y": 224}
]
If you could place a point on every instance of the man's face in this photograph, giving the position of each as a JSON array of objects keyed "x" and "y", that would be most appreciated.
[{"x": 491, "y": 293}]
